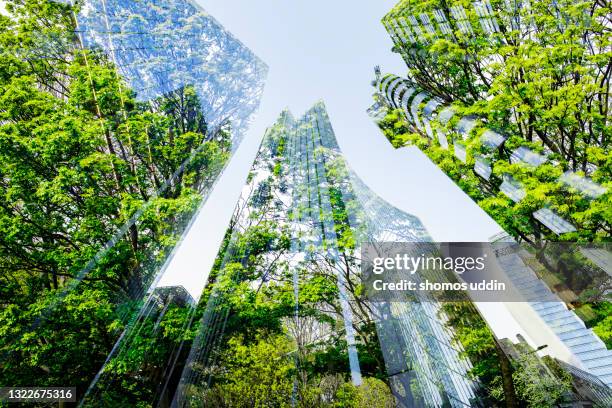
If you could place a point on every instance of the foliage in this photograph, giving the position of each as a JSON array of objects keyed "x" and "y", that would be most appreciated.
[
  {"x": 592, "y": 218},
  {"x": 254, "y": 375},
  {"x": 535, "y": 385},
  {"x": 544, "y": 82},
  {"x": 471, "y": 332},
  {"x": 262, "y": 374},
  {"x": 546, "y": 78},
  {"x": 270, "y": 339},
  {"x": 535, "y": 382},
  {"x": 602, "y": 324},
  {"x": 79, "y": 159}
]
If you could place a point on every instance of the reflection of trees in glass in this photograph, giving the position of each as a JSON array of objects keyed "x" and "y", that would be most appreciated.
[
  {"x": 258, "y": 344},
  {"x": 543, "y": 74},
  {"x": 145, "y": 366},
  {"x": 288, "y": 298},
  {"x": 540, "y": 75},
  {"x": 542, "y": 78},
  {"x": 164, "y": 46}
]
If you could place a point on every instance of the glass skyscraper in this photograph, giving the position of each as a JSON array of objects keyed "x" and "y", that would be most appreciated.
[
  {"x": 488, "y": 145},
  {"x": 176, "y": 57},
  {"x": 285, "y": 317},
  {"x": 301, "y": 184},
  {"x": 160, "y": 50},
  {"x": 162, "y": 46},
  {"x": 432, "y": 118},
  {"x": 457, "y": 94},
  {"x": 458, "y": 56}
]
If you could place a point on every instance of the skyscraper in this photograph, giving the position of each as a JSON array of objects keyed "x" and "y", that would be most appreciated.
[
  {"x": 430, "y": 119},
  {"x": 163, "y": 49},
  {"x": 464, "y": 104},
  {"x": 300, "y": 189},
  {"x": 163, "y": 46},
  {"x": 471, "y": 59},
  {"x": 177, "y": 59},
  {"x": 163, "y": 93}
]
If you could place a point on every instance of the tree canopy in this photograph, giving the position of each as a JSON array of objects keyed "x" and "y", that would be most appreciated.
[{"x": 96, "y": 189}]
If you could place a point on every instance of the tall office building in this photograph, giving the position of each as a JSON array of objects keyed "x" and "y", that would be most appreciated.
[
  {"x": 163, "y": 46},
  {"x": 301, "y": 186},
  {"x": 515, "y": 164},
  {"x": 461, "y": 62},
  {"x": 430, "y": 118},
  {"x": 439, "y": 123},
  {"x": 177, "y": 59}
]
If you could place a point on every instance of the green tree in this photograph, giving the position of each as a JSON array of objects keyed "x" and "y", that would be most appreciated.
[
  {"x": 80, "y": 159},
  {"x": 543, "y": 80}
]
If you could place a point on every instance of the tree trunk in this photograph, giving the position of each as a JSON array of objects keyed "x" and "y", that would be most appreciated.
[{"x": 507, "y": 383}]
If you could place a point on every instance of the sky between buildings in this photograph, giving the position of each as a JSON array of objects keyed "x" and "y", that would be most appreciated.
[
  {"x": 322, "y": 49},
  {"x": 326, "y": 49}
]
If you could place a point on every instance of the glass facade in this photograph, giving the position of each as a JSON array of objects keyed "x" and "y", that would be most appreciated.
[
  {"x": 527, "y": 156},
  {"x": 162, "y": 46},
  {"x": 301, "y": 166},
  {"x": 427, "y": 117},
  {"x": 583, "y": 184},
  {"x": 587, "y": 350}
]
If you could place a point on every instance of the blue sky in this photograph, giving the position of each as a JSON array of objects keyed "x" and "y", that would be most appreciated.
[{"x": 326, "y": 50}]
